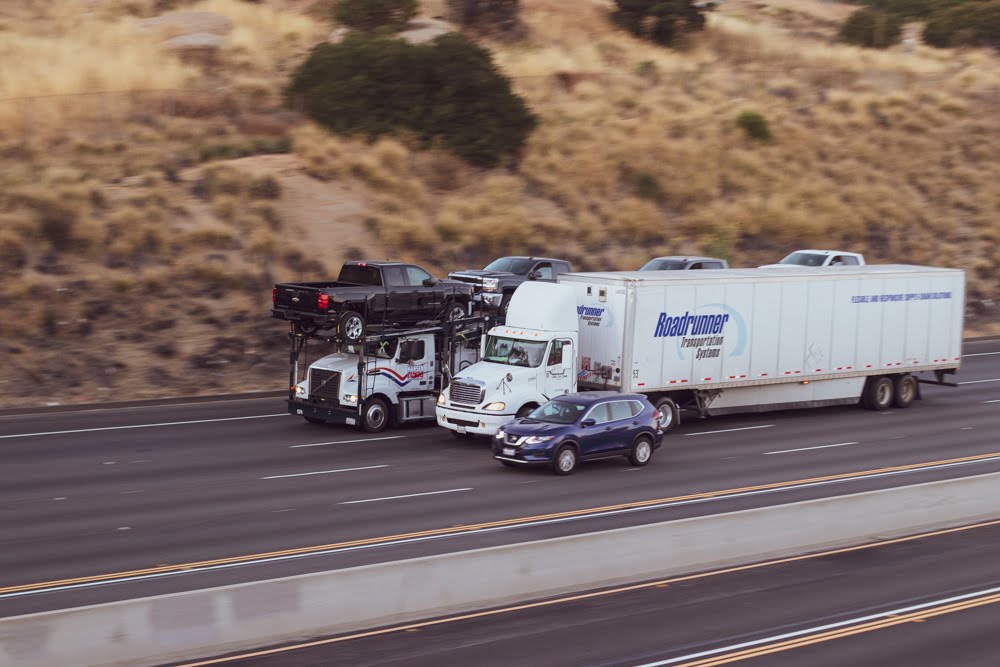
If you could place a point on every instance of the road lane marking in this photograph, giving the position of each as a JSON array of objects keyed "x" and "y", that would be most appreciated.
[
  {"x": 806, "y": 449},
  {"x": 993, "y": 401},
  {"x": 344, "y": 442},
  {"x": 731, "y": 430},
  {"x": 480, "y": 528},
  {"x": 409, "y": 495},
  {"x": 980, "y": 381},
  {"x": 845, "y": 628},
  {"x": 117, "y": 428},
  {"x": 980, "y": 354},
  {"x": 663, "y": 583},
  {"x": 323, "y": 472}
]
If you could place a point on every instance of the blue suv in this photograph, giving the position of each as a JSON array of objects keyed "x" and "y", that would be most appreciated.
[{"x": 581, "y": 427}]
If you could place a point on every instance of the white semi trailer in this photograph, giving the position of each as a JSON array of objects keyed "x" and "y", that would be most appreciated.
[{"x": 717, "y": 341}]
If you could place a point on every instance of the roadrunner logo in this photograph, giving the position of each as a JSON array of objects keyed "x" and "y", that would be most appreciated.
[{"x": 594, "y": 316}]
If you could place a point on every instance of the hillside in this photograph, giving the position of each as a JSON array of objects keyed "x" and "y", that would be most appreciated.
[{"x": 153, "y": 187}]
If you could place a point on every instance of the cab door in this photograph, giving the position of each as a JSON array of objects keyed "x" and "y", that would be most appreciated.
[{"x": 559, "y": 370}]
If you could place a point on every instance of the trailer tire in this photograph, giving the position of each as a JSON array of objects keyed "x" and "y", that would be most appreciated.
[
  {"x": 905, "y": 391},
  {"x": 504, "y": 305},
  {"x": 455, "y": 310},
  {"x": 306, "y": 328},
  {"x": 878, "y": 394},
  {"x": 669, "y": 413},
  {"x": 314, "y": 420},
  {"x": 374, "y": 415},
  {"x": 565, "y": 461},
  {"x": 351, "y": 326}
]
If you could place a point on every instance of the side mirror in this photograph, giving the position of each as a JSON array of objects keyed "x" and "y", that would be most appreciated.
[
  {"x": 534, "y": 275},
  {"x": 587, "y": 423},
  {"x": 430, "y": 282}
]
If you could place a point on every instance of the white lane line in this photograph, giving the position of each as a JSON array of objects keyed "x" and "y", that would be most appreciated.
[
  {"x": 344, "y": 442},
  {"x": 730, "y": 430},
  {"x": 323, "y": 472},
  {"x": 116, "y": 428},
  {"x": 806, "y": 449},
  {"x": 410, "y": 495},
  {"x": 979, "y": 381},
  {"x": 996, "y": 400},
  {"x": 823, "y": 628},
  {"x": 980, "y": 354}
]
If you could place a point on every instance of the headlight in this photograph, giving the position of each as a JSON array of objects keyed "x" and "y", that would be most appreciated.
[
  {"x": 490, "y": 284},
  {"x": 350, "y": 398},
  {"x": 538, "y": 439},
  {"x": 500, "y": 433},
  {"x": 496, "y": 407},
  {"x": 300, "y": 390},
  {"x": 441, "y": 398}
]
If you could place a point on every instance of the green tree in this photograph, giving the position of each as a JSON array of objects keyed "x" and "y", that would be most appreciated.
[
  {"x": 662, "y": 21},
  {"x": 872, "y": 28},
  {"x": 446, "y": 92},
  {"x": 486, "y": 16},
  {"x": 371, "y": 15},
  {"x": 974, "y": 23}
]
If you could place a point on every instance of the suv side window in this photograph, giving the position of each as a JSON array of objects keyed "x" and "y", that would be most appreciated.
[
  {"x": 599, "y": 413},
  {"x": 620, "y": 410},
  {"x": 850, "y": 260},
  {"x": 394, "y": 276},
  {"x": 416, "y": 276}
]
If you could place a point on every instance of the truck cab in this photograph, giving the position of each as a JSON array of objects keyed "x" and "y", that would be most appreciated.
[{"x": 525, "y": 362}]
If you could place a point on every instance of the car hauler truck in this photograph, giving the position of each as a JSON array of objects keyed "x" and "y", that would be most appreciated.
[
  {"x": 717, "y": 341},
  {"x": 390, "y": 378}
]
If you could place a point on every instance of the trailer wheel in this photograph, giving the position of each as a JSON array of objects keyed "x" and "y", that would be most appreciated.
[
  {"x": 454, "y": 310},
  {"x": 374, "y": 415},
  {"x": 669, "y": 414},
  {"x": 306, "y": 328},
  {"x": 878, "y": 394},
  {"x": 504, "y": 305},
  {"x": 905, "y": 387},
  {"x": 351, "y": 326}
]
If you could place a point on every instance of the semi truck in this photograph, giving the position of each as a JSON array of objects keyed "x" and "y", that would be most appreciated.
[
  {"x": 717, "y": 341},
  {"x": 385, "y": 379}
]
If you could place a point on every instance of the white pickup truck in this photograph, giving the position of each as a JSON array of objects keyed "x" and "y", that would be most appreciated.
[{"x": 717, "y": 341}]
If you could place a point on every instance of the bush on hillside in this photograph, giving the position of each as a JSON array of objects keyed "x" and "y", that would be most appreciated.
[
  {"x": 755, "y": 126},
  {"x": 908, "y": 9},
  {"x": 370, "y": 15},
  {"x": 486, "y": 16},
  {"x": 969, "y": 24},
  {"x": 446, "y": 92},
  {"x": 872, "y": 28},
  {"x": 665, "y": 22}
]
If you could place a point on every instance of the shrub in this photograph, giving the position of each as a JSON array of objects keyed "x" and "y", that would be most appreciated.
[
  {"x": 447, "y": 91},
  {"x": 487, "y": 16},
  {"x": 971, "y": 24},
  {"x": 872, "y": 28},
  {"x": 665, "y": 22},
  {"x": 755, "y": 126},
  {"x": 646, "y": 186},
  {"x": 265, "y": 187},
  {"x": 370, "y": 15}
]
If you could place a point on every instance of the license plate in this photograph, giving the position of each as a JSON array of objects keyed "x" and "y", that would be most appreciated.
[
  {"x": 351, "y": 421},
  {"x": 508, "y": 451},
  {"x": 460, "y": 429}
]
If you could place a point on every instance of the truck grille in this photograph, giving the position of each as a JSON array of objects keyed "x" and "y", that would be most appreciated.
[
  {"x": 464, "y": 392},
  {"x": 324, "y": 385}
]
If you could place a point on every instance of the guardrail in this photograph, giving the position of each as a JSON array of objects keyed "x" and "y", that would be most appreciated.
[{"x": 157, "y": 630}]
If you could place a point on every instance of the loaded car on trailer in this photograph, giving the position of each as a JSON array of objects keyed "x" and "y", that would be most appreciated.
[{"x": 496, "y": 283}]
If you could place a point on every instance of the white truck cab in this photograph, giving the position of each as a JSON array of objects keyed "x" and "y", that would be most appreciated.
[{"x": 525, "y": 362}]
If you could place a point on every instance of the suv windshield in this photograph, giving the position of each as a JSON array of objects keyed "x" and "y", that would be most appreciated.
[
  {"x": 517, "y": 265},
  {"x": 558, "y": 412},
  {"x": 513, "y": 352},
  {"x": 662, "y": 265},
  {"x": 804, "y": 259}
]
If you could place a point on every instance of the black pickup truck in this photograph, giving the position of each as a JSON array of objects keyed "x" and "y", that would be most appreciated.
[
  {"x": 496, "y": 283},
  {"x": 375, "y": 294}
]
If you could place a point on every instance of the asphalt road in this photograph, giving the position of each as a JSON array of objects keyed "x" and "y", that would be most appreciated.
[
  {"x": 111, "y": 504},
  {"x": 929, "y": 601}
]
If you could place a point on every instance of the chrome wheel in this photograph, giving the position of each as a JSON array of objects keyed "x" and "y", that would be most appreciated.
[
  {"x": 353, "y": 327},
  {"x": 374, "y": 416},
  {"x": 643, "y": 451},
  {"x": 566, "y": 460}
]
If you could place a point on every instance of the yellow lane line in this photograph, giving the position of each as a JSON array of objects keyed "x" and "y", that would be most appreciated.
[
  {"x": 587, "y": 596},
  {"x": 186, "y": 567}
]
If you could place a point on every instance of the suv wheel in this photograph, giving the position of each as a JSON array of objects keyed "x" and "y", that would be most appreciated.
[
  {"x": 642, "y": 451},
  {"x": 565, "y": 460}
]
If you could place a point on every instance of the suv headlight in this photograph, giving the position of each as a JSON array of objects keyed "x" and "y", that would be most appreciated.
[
  {"x": 500, "y": 434},
  {"x": 496, "y": 406},
  {"x": 490, "y": 284},
  {"x": 538, "y": 439}
]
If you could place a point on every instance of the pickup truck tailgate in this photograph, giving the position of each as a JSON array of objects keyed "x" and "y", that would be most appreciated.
[{"x": 298, "y": 297}]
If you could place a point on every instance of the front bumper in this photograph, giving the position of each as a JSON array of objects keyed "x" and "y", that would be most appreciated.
[
  {"x": 465, "y": 421},
  {"x": 344, "y": 414}
]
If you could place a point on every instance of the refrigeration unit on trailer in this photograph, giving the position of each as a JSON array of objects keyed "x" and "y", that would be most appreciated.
[{"x": 736, "y": 340}]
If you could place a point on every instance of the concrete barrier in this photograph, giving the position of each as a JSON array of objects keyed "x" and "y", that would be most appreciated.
[{"x": 182, "y": 626}]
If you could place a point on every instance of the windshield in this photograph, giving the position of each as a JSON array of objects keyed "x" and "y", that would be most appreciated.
[
  {"x": 385, "y": 349},
  {"x": 517, "y": 265},
  {"x": 804, "y": 259},
  {"x": 662, "y": 265},
  {"x": 514, "y": 352},
  {"x": 558, "y": 412}
]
